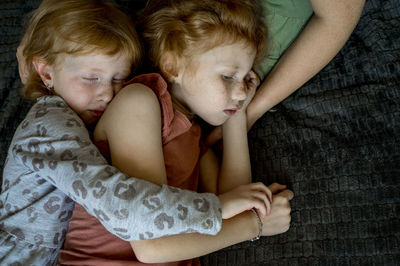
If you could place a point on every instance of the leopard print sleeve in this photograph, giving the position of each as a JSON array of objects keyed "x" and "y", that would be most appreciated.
[{"x": 53, "y": 155}]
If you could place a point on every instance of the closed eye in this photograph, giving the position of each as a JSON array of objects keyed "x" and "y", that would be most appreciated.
[
  {"x": 119, "y": 81},
  {"x": 91, "y": 80},
  {"x": 224, "y": 77}
]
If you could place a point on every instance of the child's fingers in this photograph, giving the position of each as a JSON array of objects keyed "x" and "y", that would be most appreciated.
[
  {"x": 253, "y": 78},
  {"x": 263, "y": 188},
  {"x": 263, "y": 204},
  {"x": 287, "y": 194},
  {"x": 262, "y": 207},
  {"x": 269, "y": 195},
  {"x": 276, "y": 187}
]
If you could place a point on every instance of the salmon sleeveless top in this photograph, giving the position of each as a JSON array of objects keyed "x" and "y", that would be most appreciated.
[{"x": 87, "y": 241}]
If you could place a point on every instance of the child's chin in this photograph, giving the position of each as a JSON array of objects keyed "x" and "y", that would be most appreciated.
[
  {"x": 90, "y": 121},
  {"x": 216, "y": 123}
]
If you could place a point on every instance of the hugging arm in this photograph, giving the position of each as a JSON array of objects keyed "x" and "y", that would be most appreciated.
[
  {"x": 320, "y": 40},
  {"x": 135, "y": 110},
  {"x": 239, "y": 228},
  {"x": 53, "y": 143}
]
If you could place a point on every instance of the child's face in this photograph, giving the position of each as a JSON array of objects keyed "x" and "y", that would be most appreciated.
[
  {"x": 89, "y": 82},
  {"x": 213, "y": 84}
]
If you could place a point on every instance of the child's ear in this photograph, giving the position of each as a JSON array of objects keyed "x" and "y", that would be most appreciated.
[
  {"x": 44, "y": 71},
  {"x": 170, "y": 65}
]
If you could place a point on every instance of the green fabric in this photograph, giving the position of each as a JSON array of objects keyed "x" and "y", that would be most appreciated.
[{"x": 284, "y": 20}]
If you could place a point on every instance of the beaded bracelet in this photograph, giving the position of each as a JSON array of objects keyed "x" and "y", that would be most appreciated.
[{"x": 260, "y": 226}]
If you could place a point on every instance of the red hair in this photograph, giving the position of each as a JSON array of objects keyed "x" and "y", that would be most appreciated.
[
  {"x": 188, "y": 26},
  {"x": 76, "y": 27}
]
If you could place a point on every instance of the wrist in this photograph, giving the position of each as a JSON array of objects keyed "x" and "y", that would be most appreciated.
[
  {"x": 237, "y": 121},
  {"x": 252, "y": 226},
  {"x": 259, "y": 225}
]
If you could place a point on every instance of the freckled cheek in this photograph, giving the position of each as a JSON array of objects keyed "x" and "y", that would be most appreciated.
[{"x": 223, "y": 95}]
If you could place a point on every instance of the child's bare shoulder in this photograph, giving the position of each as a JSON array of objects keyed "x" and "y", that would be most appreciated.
[
  {"x": 135, "y": 95},
  {"x": 135, "y": 101}
]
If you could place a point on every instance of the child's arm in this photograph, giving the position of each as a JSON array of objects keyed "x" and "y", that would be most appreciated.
[
  {"x": 52, "y": 143},
  {"x": 128, "y": 129},
  {"x": 321, "y": 39},
  {"x": 132, "y": 127},
  {"x": 240, "y": 228},
  {"x": 236, "y": 167},
  {"x": 235, "y": 170}
]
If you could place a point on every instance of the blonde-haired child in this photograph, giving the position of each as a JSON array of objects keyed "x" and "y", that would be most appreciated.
[
  {"x": 204, "y": 51},
  {"x": 78, "y": 54}
]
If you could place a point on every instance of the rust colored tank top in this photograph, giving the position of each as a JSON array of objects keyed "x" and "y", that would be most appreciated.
[{"x": 87, "y": 241}]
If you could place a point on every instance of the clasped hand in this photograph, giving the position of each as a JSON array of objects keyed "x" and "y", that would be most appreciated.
[{"x": 272, "y": 204}]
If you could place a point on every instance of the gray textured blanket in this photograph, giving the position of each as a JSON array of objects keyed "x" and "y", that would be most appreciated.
[{"x": 335, "y": 142}]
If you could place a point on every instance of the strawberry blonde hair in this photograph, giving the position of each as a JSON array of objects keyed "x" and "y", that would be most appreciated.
[
  {"x": 185, "y": 27},
  {"x": 76, "y": 27}
]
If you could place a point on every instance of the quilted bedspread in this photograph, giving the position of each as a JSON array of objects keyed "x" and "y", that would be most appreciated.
[{"x": 335, "y": 143}]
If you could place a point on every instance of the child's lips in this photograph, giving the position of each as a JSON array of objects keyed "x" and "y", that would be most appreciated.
[
  {"x": 232, "y": 111},
  {"x": 97, "y": 113}
]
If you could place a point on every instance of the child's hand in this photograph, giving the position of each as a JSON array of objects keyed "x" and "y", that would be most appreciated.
[
  {"x": 252, "y": 81},
  {"x": 246, "y": 197},
  {"x": 279, "y": 219}
]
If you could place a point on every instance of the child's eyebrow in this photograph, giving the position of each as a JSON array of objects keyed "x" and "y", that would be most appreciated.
[
  {"x": 222, "y": 65},
  {"x": 101, "y": 70},
  {"x": 230, "y": 67}
]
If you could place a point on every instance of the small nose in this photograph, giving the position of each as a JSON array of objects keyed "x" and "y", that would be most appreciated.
[
  {"x": 239, "y": 91},
  {"x": 106, "y": 93}
]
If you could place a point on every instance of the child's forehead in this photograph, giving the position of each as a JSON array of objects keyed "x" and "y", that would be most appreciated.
[
  {"x": 217, "y": 40},
  {"x": 94, "y": 61},
  {"x": 227, "y": 55}
]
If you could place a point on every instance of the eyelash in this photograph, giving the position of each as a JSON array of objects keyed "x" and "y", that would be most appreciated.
[
  {"x": 227, "y": 78},
  {"x": 119, "y": 81},
  {"x": 91, "y": 80},
  {"x": 94, "y": 80}
]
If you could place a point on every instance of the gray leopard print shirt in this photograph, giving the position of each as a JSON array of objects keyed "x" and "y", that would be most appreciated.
[{"x": 52, "y": 162}]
